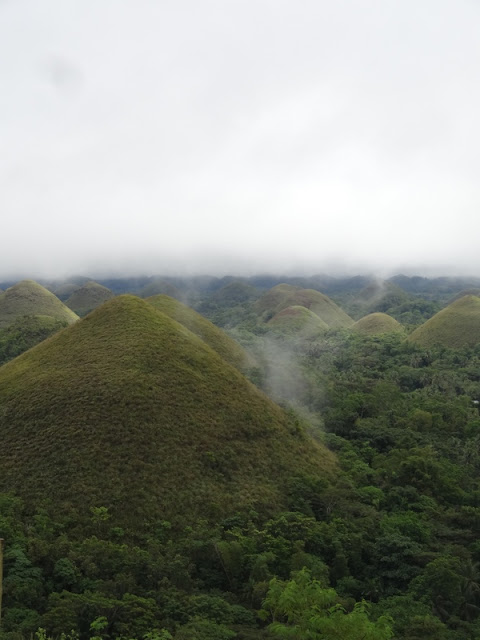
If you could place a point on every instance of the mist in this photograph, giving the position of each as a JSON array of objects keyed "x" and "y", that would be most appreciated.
[{"x": 241, "y": 137}]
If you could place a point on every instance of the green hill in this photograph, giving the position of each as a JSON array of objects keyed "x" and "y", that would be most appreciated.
[
  {"x": 65, "y": 290},
  {"x": 88, "y": 297},
  {"x": 286, "y": 295},
  {"x": 377, "y": 324},
  {"x": 458, "y": 325},
  {"x": 159, "y": 287},
  {"x": 130, "y": 410},
  {"x": 28, "y": 298},
  {"x": 298, "y": 321},
  {"x": 217, "y": 339}
]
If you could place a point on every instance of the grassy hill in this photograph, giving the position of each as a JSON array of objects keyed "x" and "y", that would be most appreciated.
[
  {"x": 286, "y": 295},
  {"x": 88, "y": 297},
  {"x": 128, "y": 408},
  {"x": 217, "y": 339},
  {"x": 65, "y": 290},
  {"x": 158, "y": 286},
  {"x": 298, "y": 321},
  {"x": 377, "y": 324},
  {"x": 458, "y": 325},
  {"x": 28, "y": 298}
]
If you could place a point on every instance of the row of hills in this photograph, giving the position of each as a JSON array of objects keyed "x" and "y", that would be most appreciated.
[{"x": 380, "y": 307}]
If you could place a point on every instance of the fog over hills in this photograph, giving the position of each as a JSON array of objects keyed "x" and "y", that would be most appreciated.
[{"x": 180, "y": 138}]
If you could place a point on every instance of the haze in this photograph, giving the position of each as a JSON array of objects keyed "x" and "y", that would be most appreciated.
[{"x": 239, "y": 136}]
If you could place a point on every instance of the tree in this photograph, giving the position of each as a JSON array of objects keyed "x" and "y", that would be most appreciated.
[{"x": 303, "y": 609}]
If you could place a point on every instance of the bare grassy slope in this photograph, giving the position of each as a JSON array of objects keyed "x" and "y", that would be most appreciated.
[
  {"x": 28, "y": 298},
  {"x": 88, "y": 297},
  {"x": 129, "y": 409},
  {"x": 377, "y": 324},
  {"x": 458, "y": 325}
]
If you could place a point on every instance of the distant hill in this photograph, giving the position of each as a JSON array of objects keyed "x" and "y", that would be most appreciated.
[
  {"x": 158, "y": 286},
  {"x": 28, "y": 298},
  {"x": 217, "y": 339},
  {"x": 88, "y": 297},
  {"x": 286, "y": 295},
  {"x": 232, "y": 294},
  {"x": 458, "y": 325},
  {"x": 377, "y": 324},
  {"x": 298, "y": 321},
  {"x": 65, "y": 290},
  {"x": 130, "y": 410}
]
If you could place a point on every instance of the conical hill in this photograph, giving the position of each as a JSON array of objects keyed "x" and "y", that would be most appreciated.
[
  {"x": 28, "y": 298},
  {"x": 284, "y": 295},
  {"x": 130, "y": 410},
  {"x": 217, "y": 339},
  {"x": 458, "y": 325},
  {"x": 88, "y": 297},
  {"x": 298, "y": 321},
  {"x": 377, "y": 324}
]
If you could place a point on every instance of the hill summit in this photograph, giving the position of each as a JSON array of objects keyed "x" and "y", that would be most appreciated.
[
  {"x": 217, "y": 339},
  {"x": 129, "y": 407},
  {"x": 376, "y": 324},
  {"x": 458, "y": 325},
  {"x": 28, "y": 298}
]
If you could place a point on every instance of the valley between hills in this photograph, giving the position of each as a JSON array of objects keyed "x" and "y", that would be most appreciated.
[{"x": 224, "y": 458}]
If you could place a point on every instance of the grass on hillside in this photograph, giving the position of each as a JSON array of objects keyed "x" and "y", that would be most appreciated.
[
  {"x": 217, "y": 339},
  {"x": 28, "y": 298},
  {"x": 284, "y": 295},
  {"x": 88, "y": 297},
  {"x": 129, "y": 409},
  {"x": 298, "y": 321},
  {"x": 458, "y": 325},
  {"x": 377, "y": 324}
]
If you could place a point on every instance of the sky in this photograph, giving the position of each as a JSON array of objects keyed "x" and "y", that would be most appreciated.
[{"x": 239, "y": 136}]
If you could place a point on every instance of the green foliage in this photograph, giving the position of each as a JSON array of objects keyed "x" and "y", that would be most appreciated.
[
  {"x": 303, "y": 609},
  {"x": 88, "y": 297}
]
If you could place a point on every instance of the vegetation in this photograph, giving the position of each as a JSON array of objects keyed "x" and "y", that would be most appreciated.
[
  {"x": 219, "y": 341},
  {"x": 456, "y": 326},
  {"x": 285, "y": 295},
  {"x": 25, "y": 332},
  {"x": 298, "y": 321},
  {"x": 376, "y": 324},
  {"x": 27, "y": 298},
  {"x": 88, "y": 297},
  {"x": 157, "y": 495},
  {"x": 129, "y": 407}
]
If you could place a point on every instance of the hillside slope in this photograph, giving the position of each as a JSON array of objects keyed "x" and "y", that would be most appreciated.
[
  {"x": 88, "y": 297},
  {"x": 217, "y": 339},
  {"x": 285, "y": 295},
  {"x": 458, "y": 325},
  {"x": 129, "y": 408},
  {"x": 377, "y": 324},
  {"x": 298, "y": 321},
  {"x": 28, "y": 298}
]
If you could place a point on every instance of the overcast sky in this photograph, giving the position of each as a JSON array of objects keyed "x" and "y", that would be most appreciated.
[{"x": 239, "y": 135}]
